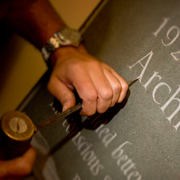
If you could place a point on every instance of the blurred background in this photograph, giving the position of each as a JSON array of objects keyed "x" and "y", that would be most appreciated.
[{"x": 22, "y": 64}]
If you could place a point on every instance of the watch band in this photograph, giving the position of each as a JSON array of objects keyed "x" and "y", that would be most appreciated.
[
  {"x": 53, "y": 43},
  {"x": 66, "y": 36}
]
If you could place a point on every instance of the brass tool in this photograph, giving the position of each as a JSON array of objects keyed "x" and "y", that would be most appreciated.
[
  {"x": 16, "y": 133},
  {"x": 17, "y": 130}
]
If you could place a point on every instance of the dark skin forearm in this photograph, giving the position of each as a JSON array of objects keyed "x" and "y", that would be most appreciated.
[{"x": 35, "y": 20}]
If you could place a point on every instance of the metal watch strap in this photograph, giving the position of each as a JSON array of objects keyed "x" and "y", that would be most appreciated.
[
  {"x": 66, "y": 36},
  {"x": 53, "y": 43}
]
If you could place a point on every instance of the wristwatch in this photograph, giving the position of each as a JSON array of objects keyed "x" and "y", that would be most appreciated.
[{"x": 64, "y": 37}]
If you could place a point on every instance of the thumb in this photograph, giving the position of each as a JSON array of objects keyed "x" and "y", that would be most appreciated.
[
  {"x": 18, "y": 167},
  {"x": 61, "y": 92}
]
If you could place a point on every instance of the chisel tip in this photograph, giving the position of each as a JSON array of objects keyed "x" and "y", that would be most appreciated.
[{"x": 132, "y": 81}]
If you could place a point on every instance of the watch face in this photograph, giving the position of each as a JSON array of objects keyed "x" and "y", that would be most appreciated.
[{"x": 70, "y": 36}]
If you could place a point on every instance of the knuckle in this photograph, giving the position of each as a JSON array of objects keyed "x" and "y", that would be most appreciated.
[
  {"x": 125, "y": 87},
  {"x": 117, "y": 87},
  {"x": 91, "y": 95},
  {"x": 106, "y": 93}
]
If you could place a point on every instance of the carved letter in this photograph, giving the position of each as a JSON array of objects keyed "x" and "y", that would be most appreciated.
[
  {"x": 149, "y": 55},
  {"x": 156, "y": 88},
  {"x": 118, "y": 152},
  {"x": 152, "y": 77},
  {"x": 161, "y": 26},
  {"x": 176, "y": 55},
  {"x": 135, "y": 174},
  {"x": 108, "y": 138},
  {"x": 176, "y": 111},
  {"x": 77, "y": 177},
  {"x": 174, "y": 39},
  {"x": 88, "y": 156},
  {"x": 132, "y": 165},
  {"x": 96, "y": 168},
  {"x": 122, "y": 158}
]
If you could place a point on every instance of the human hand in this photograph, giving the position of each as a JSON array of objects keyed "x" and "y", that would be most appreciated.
[
  {"x": 96, "y": 83},
  {"x": 19, "y": 167}
]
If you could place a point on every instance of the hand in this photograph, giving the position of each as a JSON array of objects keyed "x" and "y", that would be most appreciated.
[
  {"x": 96, "y": 83},
  {"x": 18, "y": 167}
]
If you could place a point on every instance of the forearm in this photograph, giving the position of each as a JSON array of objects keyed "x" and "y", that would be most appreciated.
[
  {"x": 97, "y": 84},
  {"x": 35, "y": 20}
]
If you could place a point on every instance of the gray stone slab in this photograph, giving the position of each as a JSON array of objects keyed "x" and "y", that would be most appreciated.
[{"x": 139, "y": 138}]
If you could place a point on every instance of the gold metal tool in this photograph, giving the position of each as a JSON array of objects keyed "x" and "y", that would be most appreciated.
[
  {"x": 16, "y": 133},
  {"x": 17, "y": 130}
]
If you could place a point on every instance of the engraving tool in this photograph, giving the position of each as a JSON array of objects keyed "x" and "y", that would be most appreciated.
[{"x": 17, "y": 130}]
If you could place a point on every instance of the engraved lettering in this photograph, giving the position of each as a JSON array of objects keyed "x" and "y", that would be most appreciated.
[
  {"x": 148, "y": 56},
  {"x": 165, "y": 20},
  {"x": 156, "y": 88},
  {"x": 174, "y": 39}
]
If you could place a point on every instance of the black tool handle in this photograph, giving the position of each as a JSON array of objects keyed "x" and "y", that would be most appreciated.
[{"x": 60, "y": 116}]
